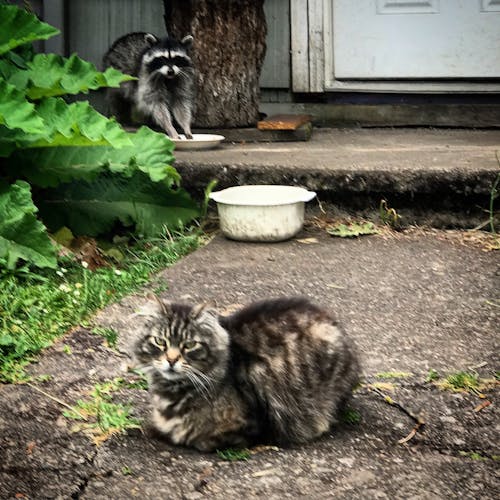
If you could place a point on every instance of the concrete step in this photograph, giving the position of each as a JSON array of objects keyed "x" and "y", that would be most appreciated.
[{"x": 442, "y": 177}]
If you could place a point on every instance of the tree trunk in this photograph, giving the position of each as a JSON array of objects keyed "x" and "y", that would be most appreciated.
[{"x": 228, "y": 52}]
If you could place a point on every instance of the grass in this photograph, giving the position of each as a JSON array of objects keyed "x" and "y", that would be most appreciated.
[
  {"x": 110, "y": 335},
  {"x": 234, "y": 455},
  {"x": 350, "y": 416},
  {"x": 465, "y": 381},
  {"x": 100, "y": 416},
  {"x": 36, "y": 309}
]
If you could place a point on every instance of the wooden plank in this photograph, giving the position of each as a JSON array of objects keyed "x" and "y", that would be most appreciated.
[
  {"x": 276, "y": 68},
  {"x": 300, "y": 45},
  {"x": 283, "y": 122}
]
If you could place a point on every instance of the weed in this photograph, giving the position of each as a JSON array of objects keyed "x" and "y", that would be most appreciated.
[
  {"x": 233, "y": 455},
  {"x": 473, "y": 455},
  {"x": 36, "y": 309},
  {"x": 67, "y": 349},
  {"x": 102, "y": 416},
  {"x": 466, "y": 381},
  {"x": 388, "y": 215},
  {"x": 126, "y": 470},
  {"x": 109, "y": 334},
  {"x": 461, "y": 381},
  {"x": 350, "y": 416},
  {"x": 432, "y": 375}
]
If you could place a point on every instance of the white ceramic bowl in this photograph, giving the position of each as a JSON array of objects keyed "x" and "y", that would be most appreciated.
[
  {"x": 261, "y": 212},
  {"x": 199, "y": 141}
]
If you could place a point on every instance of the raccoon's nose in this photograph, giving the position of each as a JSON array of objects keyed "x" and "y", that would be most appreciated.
[{"x": 170, "y": 72}]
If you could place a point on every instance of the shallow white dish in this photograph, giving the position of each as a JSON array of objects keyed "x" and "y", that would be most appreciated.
[
  {"x": 199, "y": 141},
  {"x": 261, "y": 212}
]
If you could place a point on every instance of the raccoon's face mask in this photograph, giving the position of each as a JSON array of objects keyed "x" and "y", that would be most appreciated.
[{"x": 168, "y": 65}]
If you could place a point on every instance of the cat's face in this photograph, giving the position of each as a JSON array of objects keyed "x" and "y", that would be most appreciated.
[{"x": 183, "y": 343}]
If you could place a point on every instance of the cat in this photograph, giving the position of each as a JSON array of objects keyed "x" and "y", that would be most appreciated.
[{"x": 277, "y": 371}]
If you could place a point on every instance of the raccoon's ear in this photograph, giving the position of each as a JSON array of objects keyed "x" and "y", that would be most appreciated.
[
  {"x": 187, "y": 41},
  {"x": 150, "y": 38}
]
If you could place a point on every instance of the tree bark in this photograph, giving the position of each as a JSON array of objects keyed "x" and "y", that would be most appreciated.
[{"x": 228, "y": 52}]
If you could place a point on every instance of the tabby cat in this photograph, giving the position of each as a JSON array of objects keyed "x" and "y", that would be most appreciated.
[{"x": 275, "y": 371}]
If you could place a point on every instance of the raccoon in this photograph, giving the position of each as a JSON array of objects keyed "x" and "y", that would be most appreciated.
[{"x": 165, "y": 84}]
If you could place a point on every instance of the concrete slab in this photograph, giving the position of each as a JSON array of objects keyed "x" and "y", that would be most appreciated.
[
  {"x": 416, "y": 170},
  {"x": 412, "y": 302}
]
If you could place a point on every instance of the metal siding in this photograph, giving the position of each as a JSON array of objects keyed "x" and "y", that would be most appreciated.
[
  {"x": 276, "y": 68},
  {"x": 93, "y": 25}
]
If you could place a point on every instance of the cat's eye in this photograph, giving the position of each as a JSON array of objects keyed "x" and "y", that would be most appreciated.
[
  {"x": 189, "y": 344},
  {"x": 159, "y": 342}
]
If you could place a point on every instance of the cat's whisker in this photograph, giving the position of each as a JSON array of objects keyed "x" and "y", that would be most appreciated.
[
  {"x": 198, "y": 385},
  {"x": 209, "y": 380}
]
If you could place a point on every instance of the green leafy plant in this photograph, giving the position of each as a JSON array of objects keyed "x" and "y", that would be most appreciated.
[
  {"x": 352, "y": 230},
  {"x": 36, "y": 308},
  {"x": 67, "y": 163}
]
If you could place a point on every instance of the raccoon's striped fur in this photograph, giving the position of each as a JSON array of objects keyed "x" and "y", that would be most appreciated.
[
  {"x": 165, "y": 87},
  {"x": 276, "y": 371}
]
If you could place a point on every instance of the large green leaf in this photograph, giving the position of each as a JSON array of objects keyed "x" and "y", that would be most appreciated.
[
  {"x": 93, "y": 208},
  {"x": 76, "y": 124},
  {"x": 49, "y": 75},
  {"x": 22, "y": 236},
  {"x": 16, "y": 112},
  {"x": 150, "y": 152},
  {"x": 18, "y": 27}
]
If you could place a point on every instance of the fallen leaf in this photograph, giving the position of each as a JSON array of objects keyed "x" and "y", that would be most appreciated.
[
  {"x": 352, "y": 230},
  {"x": 29, "y": 447}
]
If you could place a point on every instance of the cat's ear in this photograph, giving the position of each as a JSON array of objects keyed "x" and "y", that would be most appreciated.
[
  {"x": 154, "y": 307},
  {"x": 205, "y": 307}
]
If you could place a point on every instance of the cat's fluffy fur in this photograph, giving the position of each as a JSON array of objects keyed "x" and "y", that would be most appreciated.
[{"x": 275, "y": 371}]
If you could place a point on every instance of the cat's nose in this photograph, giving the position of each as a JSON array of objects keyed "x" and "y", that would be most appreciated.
[{"x": 173, "y": 355}]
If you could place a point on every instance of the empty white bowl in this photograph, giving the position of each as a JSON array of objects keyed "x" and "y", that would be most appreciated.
[
  {"x": 199, "y": 141},
  {"x": 261, "y": 212}
]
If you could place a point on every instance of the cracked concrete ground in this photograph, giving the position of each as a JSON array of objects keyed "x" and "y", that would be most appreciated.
[{"x": 412, "y": 302}]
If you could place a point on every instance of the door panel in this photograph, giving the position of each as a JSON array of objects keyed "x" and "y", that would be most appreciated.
[{"x": 419, "y": 39}]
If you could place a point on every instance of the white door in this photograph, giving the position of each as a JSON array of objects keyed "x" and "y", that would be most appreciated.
[{"x": 414, "y": 39}]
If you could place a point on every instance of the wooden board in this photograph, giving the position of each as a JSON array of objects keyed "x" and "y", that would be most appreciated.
[{"x": 283, "y": 122}]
